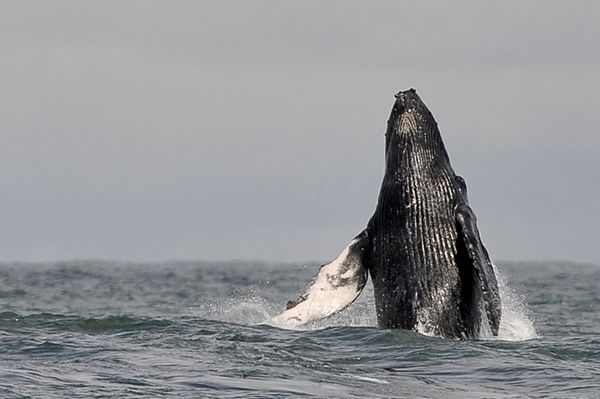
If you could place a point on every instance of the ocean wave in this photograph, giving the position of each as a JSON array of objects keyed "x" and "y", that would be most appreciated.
[{"x": 74, "y": 323}]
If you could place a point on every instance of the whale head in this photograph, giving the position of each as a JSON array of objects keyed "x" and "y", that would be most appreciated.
[
  {"x": 409, "y": 101},
  {"x": 412, "y": 137}
]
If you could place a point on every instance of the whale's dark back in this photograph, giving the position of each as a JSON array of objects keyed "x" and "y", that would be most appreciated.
[{"x": 414, "y": 261}]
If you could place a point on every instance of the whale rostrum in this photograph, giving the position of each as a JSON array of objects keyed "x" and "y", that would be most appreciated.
[{"x": 422, "y": 249}]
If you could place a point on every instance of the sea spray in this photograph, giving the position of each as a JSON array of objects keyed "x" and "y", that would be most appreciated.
[{"x": 516, "y": 323}]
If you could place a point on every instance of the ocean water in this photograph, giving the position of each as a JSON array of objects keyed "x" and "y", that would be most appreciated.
[{"x": 93, "y": 329}]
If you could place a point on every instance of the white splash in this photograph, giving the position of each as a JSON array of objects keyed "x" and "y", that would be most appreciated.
[
  {"x": 246, "y": 309},
  {"x": 252, "y": 308},
  {"x": 515, "y": 324}
]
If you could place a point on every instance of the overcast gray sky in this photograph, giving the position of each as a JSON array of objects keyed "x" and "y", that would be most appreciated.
[{"x": 254, "y": 129}]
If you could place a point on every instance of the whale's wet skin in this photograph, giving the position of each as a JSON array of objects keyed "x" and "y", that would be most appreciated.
[{"x": 421, "y": 248}]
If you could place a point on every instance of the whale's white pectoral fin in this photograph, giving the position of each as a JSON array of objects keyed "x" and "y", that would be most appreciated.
[
  {"x": 480, "y": 261},
  {"x": 336, "y": 286}
]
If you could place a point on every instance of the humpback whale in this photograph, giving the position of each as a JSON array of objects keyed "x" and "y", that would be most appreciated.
[{"x": 422, "y": 248}]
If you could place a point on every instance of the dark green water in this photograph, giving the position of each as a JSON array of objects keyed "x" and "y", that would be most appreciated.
[{"x": 201, "y": 330}]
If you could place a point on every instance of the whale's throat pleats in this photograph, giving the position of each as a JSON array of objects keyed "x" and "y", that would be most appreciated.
[{"x": 414, "y": 248}]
